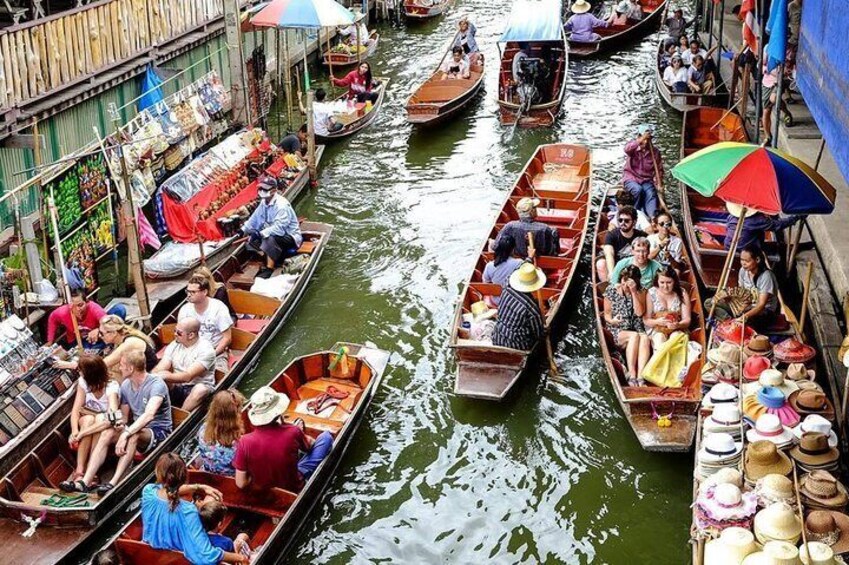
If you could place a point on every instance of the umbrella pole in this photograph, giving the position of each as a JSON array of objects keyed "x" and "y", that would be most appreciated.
[
  {"x": 287, "y": 69},
  {"x": 311, "y": 138},
  {"x": 329, "y": 59},
  {"x": 729, "y": 260},
  {"x": 794, "y": 246},
  {"x": 359, "y": 51}
]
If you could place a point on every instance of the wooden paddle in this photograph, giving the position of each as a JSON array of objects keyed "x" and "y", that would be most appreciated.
[
  {"x": 552, "y": 365},
  {"x": 657, "y": 176}
]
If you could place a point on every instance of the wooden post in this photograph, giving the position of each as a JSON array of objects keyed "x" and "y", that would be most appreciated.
[
  {"x": 38, "y": 163},
  {"x": 54, "y": 223},
  {"x": 744, "y": 97},
  {"x": 806, "y": 292},
  {"x": 329, "y": 55},
  {"x": 128, "y": 211},
  {"x": 311, "y": 138},
  {"x": 776, "y": 113},
  {"x": 729, "y": 260},
  {"x": 759, "y": 10},
  {"x": 239, "y": 89},
  {"x": 287, "y": 71}
]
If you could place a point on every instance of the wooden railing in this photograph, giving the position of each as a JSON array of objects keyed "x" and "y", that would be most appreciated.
[{"x": 40, "y": 56}]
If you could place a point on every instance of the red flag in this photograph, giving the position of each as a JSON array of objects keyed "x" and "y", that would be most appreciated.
[{"x": 750, "y": 24}]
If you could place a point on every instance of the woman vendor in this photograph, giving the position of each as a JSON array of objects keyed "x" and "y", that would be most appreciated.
[{"x": 754, "y": 276}]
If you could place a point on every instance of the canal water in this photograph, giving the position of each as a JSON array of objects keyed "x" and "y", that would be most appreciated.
[{"x": 553, "y": 474}]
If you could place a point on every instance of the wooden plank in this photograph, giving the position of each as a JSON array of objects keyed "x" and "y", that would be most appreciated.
[
  {"x": 115, "y": 31},
  {"x": 123, "y": 29},
  {"x": 66, "y": 51},
  {"x": 21, "y": 78},
  {"x": 85, "y": 36},
  {"x": 8, "y": 88},
  {"x": 105, "y": 31},
  {"x": 29, "y": 61},
  {"x": 3, "y": 97},
  {"x": 96, "y": 41},
  {"x": 39, "y": 35}
]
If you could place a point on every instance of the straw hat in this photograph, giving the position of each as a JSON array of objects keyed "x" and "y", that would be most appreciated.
[
  {"x": 768, "y": 427},
  {"x": 811, "y": 402},
  {"x": 721, "y": 393},
  {"x": 527, "y": 278},
  {"x": 758, "y": 345},
  {"x": 774, "y": 378},
  {"x": 481, "y": 311},
  {"x": 581, "y": 7},
  {"x": 798, "y": 372},
  {"x": 724, "y": 418},
  {"x": 813, "y": 450},
  {"x": 718, "y": 448},
  {"x": 730, "y": 548},
  {"x": 775, "y": 488},
  {"x": 808, "y": 385},
  {"x": 770, "y": 400},
  {"x": 763, "y": 458},
  {"x": 526, "y": 204},
  {"x": 792, "y": 350},
  {"x": 778, "y": 522},
  {"x": 726, "y": 475},
  {"x": 816, "y": 423},
  {"x": 774, "y": 553},
  {"x": 816, "y": 553},
  {"x": 726, "y": 354},
  {"x": 725, "y": 502},
  {"x": 735, "y": 210},
  {"x": 266, "y": 405},
  {"x": 754, "y": 366},
  {"x": 828, "y": 527},
  {"x": 820, "y": 490}
]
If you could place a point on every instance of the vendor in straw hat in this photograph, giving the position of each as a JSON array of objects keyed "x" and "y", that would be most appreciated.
[
  {"x": 356, "y": 32},
  {"x": 520, "y": 321},
  {"x": 546, "y": 238},
  {"x": 582, "y": 23},
  {"x": 269, "y": 455}
]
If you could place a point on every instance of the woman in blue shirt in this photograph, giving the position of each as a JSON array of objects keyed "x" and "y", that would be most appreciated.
[{"x": 169, "y": 522}]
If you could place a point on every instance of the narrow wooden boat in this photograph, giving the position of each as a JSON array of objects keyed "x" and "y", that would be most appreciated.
[
  {"x": 272, "y": 518},
  {"x": 418, "y": 12},
  {"x": 539, "y": 25},
  {"x": 560, "y": 176},
  {"x": 616, "y": 37},
  {"x": 354, "y": 123},
  {"x": 683, "y": 102},
  {"x": 641, "y": 404},
  {"x": 437, "y": 100},
  {"x": 342, "y": 60},
  {"x": 30, "y": 490}
]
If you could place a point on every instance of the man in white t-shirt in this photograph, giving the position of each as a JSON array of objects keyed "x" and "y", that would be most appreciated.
[
  {"x": 695, "y": 49},
  {"x": 216, "y": 325},
  {"x": 456, "y": 65},
  {"x": 188, "y": 366},
  {"x": 323, "y": 120}
]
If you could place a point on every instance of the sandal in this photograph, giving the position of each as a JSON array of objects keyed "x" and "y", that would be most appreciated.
[
  {"x": 69, "y": 485},
  {"x": 788, "y": 119},
  {"x": 103, "y": 490}
]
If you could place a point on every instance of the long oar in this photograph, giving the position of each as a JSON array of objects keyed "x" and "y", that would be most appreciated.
[
  {"x": 658, "y": 178},
  {"x": 552, "y": 365}
]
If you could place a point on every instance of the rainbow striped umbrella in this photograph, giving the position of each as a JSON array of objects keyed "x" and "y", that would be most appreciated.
[
  {"x": 303, "y": 14},
  {"x": 756, "y": 177}
]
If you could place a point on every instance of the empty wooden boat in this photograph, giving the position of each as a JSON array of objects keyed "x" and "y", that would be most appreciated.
[
  {"x": 617, "y": 37},
  {"x": 642, "y": 404},
  {"x": 420, "y": 10},
  {"x": 344, "y": 59},
  {"x": 359, "y": 115},
  {"x": 31, "y": 489},
  {"x": 685, "y": 101},
  {"x": 439, "y": 99},
  {"x": 535, "y": 101},
  {"x": 560, "y": 176},
  {"x": 272, "y": 518}
]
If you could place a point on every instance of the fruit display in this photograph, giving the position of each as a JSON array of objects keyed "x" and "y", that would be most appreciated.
[
  {"x": 66, "y": 194},
  {"x": 100, "y": 227}
]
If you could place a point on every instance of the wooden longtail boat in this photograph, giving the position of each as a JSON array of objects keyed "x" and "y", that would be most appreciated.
[
  {"x": 437, "y": 100},
  {"x": 539, "y": 25},
  {"x": 418, "y": 12},
  {"x": 272, "y": 518},
  {"x": 560, "y": 176},
  {"x": 342, "y": 60},
  {"x": 352, "y": 126},
  {"x": 684, "y": 102},
  {"x": 27, "y": 490},
  {"x": 616, "y": 37},
  {"x": 641, "y": 404}
]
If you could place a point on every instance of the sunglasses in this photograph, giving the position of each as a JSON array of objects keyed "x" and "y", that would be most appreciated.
[
  {"x": 625, "y": 220},
  {"x": 180, "y": 333},
  {"x": 665, "y": 224},
  {"x": 193, "y": 292}
]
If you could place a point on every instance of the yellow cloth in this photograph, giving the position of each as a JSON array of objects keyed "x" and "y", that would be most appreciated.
[{"x": 667, "y": 362}]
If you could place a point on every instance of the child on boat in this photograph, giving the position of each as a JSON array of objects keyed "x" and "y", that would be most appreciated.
[{"x": 212, "y": 513}]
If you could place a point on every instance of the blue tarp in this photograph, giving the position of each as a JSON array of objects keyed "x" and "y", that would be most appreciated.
[
  {"x": 534, "y": 20},
  {"x": 150, "y": 87},
  {"x": 823, "y": 72}
]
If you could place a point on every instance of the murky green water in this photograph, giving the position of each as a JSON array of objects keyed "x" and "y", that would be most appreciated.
[{"x": 552, "y": 475}]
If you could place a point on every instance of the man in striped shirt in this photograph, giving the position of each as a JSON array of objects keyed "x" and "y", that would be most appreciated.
[{"x": 520, "y": 324}]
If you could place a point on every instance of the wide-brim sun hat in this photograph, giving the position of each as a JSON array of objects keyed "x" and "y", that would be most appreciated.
[
  {"x": 816, "y": 423},
  {"x": 798, "y": 372},
  {"x": 778, "y": 522},
  {"x": 813, "y": 450},
  {"x": 481, "y": 311},
  {"x": 266, "y": 405},
  {"x": 581, "y": 7},
  {"x": 754, "y": 366},
  {"x": 724, "y": 418},
  {"x": 817, "y": 553},
  {"x": 768, "y": 427},
  {"x": 791, "y": 350},
  {"x": 727, "y": 353},
  {"x": 526, "y": 204},
  {"x": 718, "y": 448},
  {"x": 806, "y": 402},
  {"x": 829, "y": 527},
  {"x": 527, "y": 278},
  {"x": 774, "y": 488},
  {"x": 770, "y": 400},
  {"x": 774, "y": 553},
  {"x": 731, "y": 547},
  {"x": 721, "y": 393},
  {"x": 819, "y": 489},
  {"x": 734, "y": 331},
  {"x": 763, "y": 458},
  {"x": 774, "y": 378},
  {"x": 726, "y": 502}
]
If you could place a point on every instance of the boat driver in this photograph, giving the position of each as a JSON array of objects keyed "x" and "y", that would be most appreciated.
[{"x": 273, "y": 228}]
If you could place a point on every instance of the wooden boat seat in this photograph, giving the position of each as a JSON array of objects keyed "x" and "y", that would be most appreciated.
[
  {"x": 34, "y": 494},
  {"x": 233, "y": 357},
  {"x": 556, "y": 215},
  {"x": 134, "y": 551},
  {"x": 273, "y": 502},
  {"x": 315, "y": 422},
  {"x": 244, "y": 279},
  {"x": 442, "y": 90}
]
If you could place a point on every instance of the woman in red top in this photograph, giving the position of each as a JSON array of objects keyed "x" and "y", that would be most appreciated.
[{"x": 359, "y": 83}]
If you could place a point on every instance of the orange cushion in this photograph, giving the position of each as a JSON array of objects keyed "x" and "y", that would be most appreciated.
[{"x": 252, "y": 325}]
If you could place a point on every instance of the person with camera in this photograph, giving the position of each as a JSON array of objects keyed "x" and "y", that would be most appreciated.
[{"x": 455, "y": 66}]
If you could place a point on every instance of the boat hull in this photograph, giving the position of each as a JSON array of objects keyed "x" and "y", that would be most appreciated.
[
  {"x": 361, "y": 123},
  {"x": 617, "y": 38}
]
